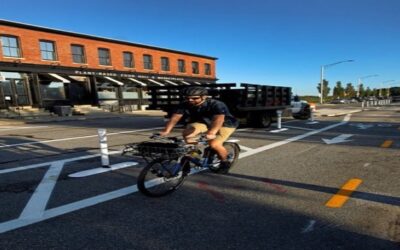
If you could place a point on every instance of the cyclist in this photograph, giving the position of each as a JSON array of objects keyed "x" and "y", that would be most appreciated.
[{"x": 204, "y": 115}]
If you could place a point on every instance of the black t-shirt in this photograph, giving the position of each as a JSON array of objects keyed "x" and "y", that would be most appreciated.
[{"x": 206, "y": 111}]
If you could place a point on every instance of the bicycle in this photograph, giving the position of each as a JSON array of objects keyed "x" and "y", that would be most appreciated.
[{"x": 170, "y": 160}]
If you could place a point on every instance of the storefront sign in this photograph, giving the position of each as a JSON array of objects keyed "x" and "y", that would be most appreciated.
[{"x": 140, "y": 76}]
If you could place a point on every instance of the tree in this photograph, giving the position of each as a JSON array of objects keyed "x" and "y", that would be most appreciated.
[
  {"x": 361, "y": 90},
  {"x": 350, "y": 91},
  {"x": 326, "y": 89},
  {"x": 395, "y": 91},
  {"x": 383, "y": 92},
  {"x": 375, "y": 92},
  {"x": 338, "y": 90},
  {"x": 367, "y": 92}
]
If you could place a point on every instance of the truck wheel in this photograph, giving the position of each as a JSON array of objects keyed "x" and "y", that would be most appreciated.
[{"x": 261, "y": 120}]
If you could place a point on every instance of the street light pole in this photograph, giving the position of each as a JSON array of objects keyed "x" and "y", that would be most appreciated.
[
  {"x": 322, "y": 76},
  {"x": 359, "y": 82}
]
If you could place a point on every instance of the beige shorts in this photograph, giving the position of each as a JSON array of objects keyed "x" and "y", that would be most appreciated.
[{"x": 222, "y": 135}]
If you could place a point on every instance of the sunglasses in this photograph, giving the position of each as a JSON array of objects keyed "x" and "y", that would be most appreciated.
[{"x": 192, "y": 98}]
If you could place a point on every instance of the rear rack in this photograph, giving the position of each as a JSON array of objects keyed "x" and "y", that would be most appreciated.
[{"x": 155, "y": 150}]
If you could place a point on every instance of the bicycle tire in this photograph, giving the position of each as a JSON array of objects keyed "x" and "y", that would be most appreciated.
[
  {"x": 155, "y": 181},
  {"x": 233, "y": 149}
]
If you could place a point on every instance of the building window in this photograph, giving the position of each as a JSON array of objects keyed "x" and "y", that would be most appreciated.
[
  {"x": 78, "y": 53},
  {"x": 207, "y": 69},
  {"x": 10, "y": 46},
  {"x": 181, "y": 66},
  {"x": 195, "y": 67},
  {"x": 147, "y": 62},
  {"x": 104, "y": 56},
  {"x": 48, "y": 50},
  {"x": 165, "y": 63},
  {"x": 128, "y": 60}
]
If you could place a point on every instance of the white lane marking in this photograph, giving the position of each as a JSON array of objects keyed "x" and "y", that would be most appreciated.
[
  {"x": 243, "y": 129},
  {"x": 292, "y": 139},
  {"x": 74, "y": 206},
  {"x": 301, "y": 128},
  {"x": 17, "y": 128},
  {"x": 17, "y": 223},
  {"x": 53, "y": 212},
  {"x": 245, "y": 148},
  {"x": 309, "y": 227},
  {"x": 40, "y": 165},
  {"x": 38, "y": 201},
  {"x": 278, "y": 130},
  {"x": 338, "y": 139},
  {"x": 314, "y": 122},
  {"x": 362, "y": 125},
  {"x": 75, "y": 138},
  {"x": 100, "y": 170}
]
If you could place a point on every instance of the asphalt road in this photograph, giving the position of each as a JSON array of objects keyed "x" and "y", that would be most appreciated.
[{"x": 282, "y": 194}]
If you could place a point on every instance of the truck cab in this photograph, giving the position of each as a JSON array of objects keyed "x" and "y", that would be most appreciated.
[{"x": 300, "y": 108}]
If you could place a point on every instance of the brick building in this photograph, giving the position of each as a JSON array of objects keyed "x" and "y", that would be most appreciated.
[{"x": 43, "y": 67}]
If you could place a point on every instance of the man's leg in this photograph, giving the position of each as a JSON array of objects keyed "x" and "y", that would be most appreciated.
[
  {"x": 217, "y": 143},
  {"x": 192, "y": 130}
]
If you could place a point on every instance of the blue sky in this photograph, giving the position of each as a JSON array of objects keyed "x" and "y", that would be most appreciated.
[{"x": 277, "y": 42}]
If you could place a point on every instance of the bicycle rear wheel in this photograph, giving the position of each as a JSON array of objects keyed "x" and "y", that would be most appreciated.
[
  {"x": 160, "y": 177},
  {"x": 233, "y": 154}
]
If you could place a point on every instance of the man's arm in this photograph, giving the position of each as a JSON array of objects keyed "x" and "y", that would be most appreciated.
[
  {"x": 171, "y": 124},
  {"x": 217, "y": 122}
]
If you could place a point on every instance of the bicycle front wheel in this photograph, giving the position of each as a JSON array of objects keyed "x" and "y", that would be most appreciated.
[{"x": 160, "y": 177}]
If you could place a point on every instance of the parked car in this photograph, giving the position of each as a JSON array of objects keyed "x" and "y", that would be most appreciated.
[{"x": 339, "y": 101}]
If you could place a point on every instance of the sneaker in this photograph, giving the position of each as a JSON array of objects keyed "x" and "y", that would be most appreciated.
[{"x": 224, "y": 167}]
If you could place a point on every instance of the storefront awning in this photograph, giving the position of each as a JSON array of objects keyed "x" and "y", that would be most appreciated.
[
  {"x": 154, "y": 81},
  {"x": 185, "y": 83},
  {"x": 62, "y": 79},
  {"x": 171, "y": 82},
  {"x": 113, "y": 80},
  {"x": 137, "y": 81},
  {"x": 78, "y": 78}
]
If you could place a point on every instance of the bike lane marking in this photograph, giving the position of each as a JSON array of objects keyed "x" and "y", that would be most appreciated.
[
  {"x": 76, "y": 138},
  {"x": 74, "y": 206},
  {"x": 38, "y": 201}
]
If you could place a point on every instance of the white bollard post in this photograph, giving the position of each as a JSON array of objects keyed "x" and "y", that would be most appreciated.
[
  {"x": 362, "y": 105},
  {"x": 105, "y": 162},
  {"x": 312, "y": 114},
  {"x": 279, "y": 113}
]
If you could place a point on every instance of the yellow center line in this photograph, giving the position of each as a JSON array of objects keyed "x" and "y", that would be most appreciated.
[
  {"x": 387, "y": 144},
  {"x": 343, "y": 194}
]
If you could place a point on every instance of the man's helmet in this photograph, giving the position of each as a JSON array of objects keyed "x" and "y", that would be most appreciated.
[{"x": 194, "y": 91}]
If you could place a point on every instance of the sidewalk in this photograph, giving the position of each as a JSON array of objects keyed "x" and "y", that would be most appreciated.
[
  {"x": 89, "y": 116},
  {"x": 336, "y": 112}
]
